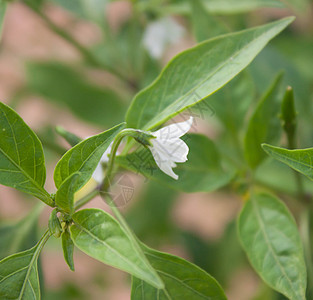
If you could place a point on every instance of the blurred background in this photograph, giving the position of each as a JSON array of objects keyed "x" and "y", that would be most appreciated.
[{"x": 78, "y": 64}]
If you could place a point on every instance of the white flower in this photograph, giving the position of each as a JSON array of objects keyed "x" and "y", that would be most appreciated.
[
  {"x": 160, "y": 34},
  {"x": 98, "y": 174},
  {"x": 167, "y": 147}
]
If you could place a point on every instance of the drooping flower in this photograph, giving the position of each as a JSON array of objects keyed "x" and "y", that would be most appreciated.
[{"x": 168, "y": 149}]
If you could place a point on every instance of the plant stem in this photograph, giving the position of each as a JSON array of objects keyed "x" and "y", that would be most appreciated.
[
  {"x": 104, "y": 187},
  {"x": 305, "y": 234},
  {"x": 89, "y": 56},
  {"x": 86, "y": 199}
]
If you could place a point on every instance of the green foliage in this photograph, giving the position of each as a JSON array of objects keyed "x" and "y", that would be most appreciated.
[
  {"x": 289, "y": 116},
  {"x": 19, "y": 274},
  {"x": 172, "y": 92},
  {"x": 154, "y": 208},
  {"x": 71, "y": 138},
  {"x": 84, "y": 157},
  {"x": 68, "y": 249},
  {"x": 264, "y": 125},
  {"x": 92, "y": 103},
  {"x": 299, "y": 160},
  {"x": 19, "y": 236},
  {"x": 181, "y": 278},
  {"x": 203, "y": 172},
  {"x": 205, "y": 25},
  {"x": 232, "y": 159},
  {"x": 64, "y": 197},
  {"x": 22, "y": 162},
  {"x": 270, "y": 237},
  {"x": 100, "y": 236},
  {"x": 54, "y": 224},
  {"x": 232, "y": 102}
]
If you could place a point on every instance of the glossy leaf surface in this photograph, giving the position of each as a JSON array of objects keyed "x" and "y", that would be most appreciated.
[
  {"x": 198, "y": 72},
  {"x": 183, "y": 280},
  {"x": 301, "y": 160},
  {"x": 100, "y": 236},
  {"x": 22, "y": 162},
  {"x": 270, "y": 237},
  {"x": 84, "y": 157}
]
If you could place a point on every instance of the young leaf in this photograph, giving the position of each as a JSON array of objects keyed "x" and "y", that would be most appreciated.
[
  {"x": 54, "y": 224},
  {"x": 84, "y": 157},
  {"x": 22, "y": 162},
  {"x": 68, "y": 249},
  {"x": 182, "y": 279},
  {"x": 264, "y": 125},
  {"x": 64, "y": 197},
  {"x": 198, "y": 72},
  {"x": 100, "y": 236},
  {"x": 71, "y": 138},
  {"x": 299, "y": 160},
  {"x": 21, "y": 235},
  {"x": 19, "y": 274},
  {"x": 270, "y": 237},
  {"x": 202, "y": 172}
]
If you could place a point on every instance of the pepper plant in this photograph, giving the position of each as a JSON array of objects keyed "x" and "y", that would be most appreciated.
[{"x": 185, "y": 162}]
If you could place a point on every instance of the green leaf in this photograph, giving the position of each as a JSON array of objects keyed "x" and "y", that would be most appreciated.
[
  {"x": 3, "y": 7},
  {"x": 22, "y": 162},
  {"x": 154, "y": 206},
  {"x": 68, "y": 249},
  {"x": 202, "y": 172},
  {"x": 100, "y": 236},
  {"x": 55, "y": 227},
  {"x": 90, "y": 102},
  {"x": 264, "y": 125},
  {"x": 205, "y": 25},
  {"x": 64, "y": 197},
  {"x": 299, "y": 160},
  {"x": 84, "y": 157},
  {"x": 270, "y": 237},
  {"x": 19, "y": 274},
  {"x": 197, "y": 73},
  {"x": 21, "y": 235},
  {"x": 232, "y": 102},
  {"x": 70, "y": 137},
  {"x": 183, "y": 280}
]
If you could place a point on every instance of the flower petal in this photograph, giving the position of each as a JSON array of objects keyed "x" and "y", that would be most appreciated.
[
  {"x": 174, "y": 130},
  {"x": 98, "y": 174},
  {"x": 164, "y": 164},
  {"x": 175, "y": 149}
]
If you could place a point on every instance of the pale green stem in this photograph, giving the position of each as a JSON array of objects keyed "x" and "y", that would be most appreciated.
[
  {"x": 305, "y": 235},
  {"x": 81, "y": 202},
  {"x": 106, "y": 183}
]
